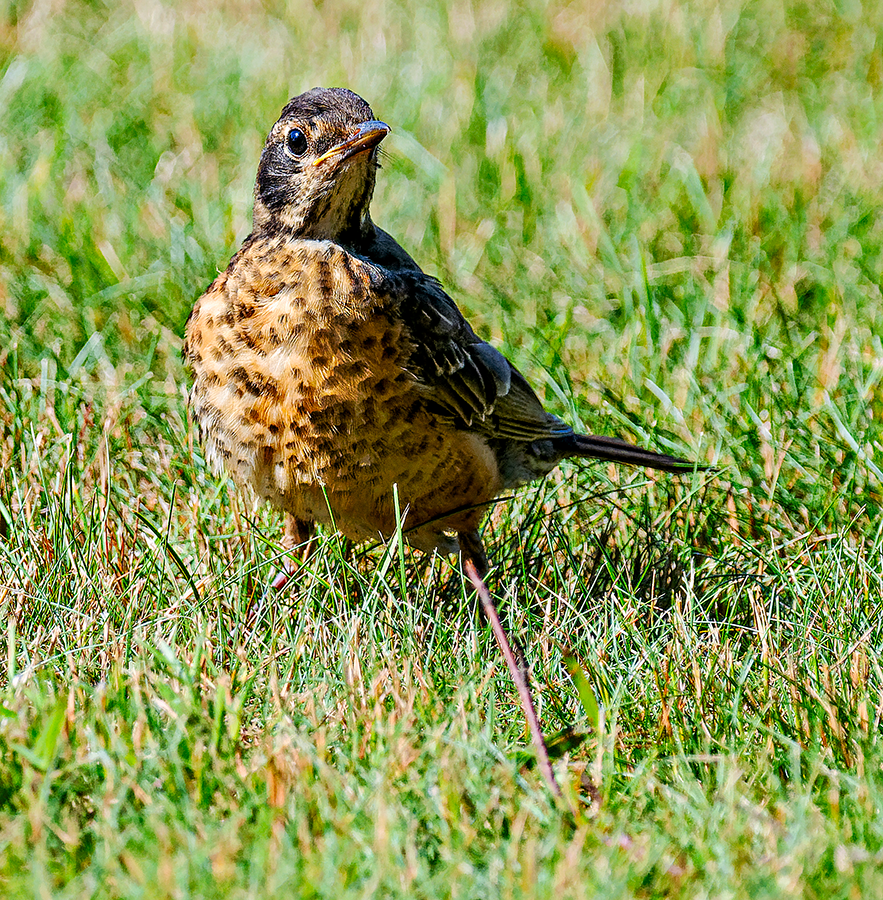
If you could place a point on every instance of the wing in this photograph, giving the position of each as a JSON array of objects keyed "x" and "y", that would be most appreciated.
[{"x": 463, "y": 374}]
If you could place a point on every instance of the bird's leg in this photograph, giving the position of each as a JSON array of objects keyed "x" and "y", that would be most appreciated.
[
  {"x": 298, "y": 542},
  {"x": 475, "y": 566}
]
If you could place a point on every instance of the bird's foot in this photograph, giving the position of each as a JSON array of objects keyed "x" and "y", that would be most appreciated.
[
  {"x": 282, "y": 574},
  {"x": 297, "y": 542}
]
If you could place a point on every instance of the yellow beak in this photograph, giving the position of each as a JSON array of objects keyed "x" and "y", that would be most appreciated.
[{"x": 366, "y": 136}]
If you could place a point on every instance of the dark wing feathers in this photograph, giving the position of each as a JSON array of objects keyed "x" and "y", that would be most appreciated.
[
  {"x": 465, "y": 375},
  {"x": 520, "y": 415}
]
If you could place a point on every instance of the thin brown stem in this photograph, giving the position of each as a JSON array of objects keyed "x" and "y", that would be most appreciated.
[{"x": 520, "y": 675}]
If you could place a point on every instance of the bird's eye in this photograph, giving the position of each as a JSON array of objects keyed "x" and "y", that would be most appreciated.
[{"x": 296, "y": 142}]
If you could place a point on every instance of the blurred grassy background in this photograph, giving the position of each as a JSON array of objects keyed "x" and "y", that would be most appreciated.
[{"x": 668, "y": 214}]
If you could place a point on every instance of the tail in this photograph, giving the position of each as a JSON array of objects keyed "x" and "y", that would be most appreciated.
[{"x": 613, "y": 450}]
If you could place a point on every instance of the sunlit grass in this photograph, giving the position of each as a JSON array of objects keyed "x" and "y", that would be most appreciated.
[{"x": 668, "y": 215}]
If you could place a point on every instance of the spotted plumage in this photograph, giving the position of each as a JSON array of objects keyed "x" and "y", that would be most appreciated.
[{"x": 328, "y": 367}]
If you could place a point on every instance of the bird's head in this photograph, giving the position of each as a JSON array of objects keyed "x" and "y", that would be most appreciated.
[{"x": 317, "y": 168}]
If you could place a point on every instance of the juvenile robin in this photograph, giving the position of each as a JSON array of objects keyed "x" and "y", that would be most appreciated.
[{"x": 328, "y": 367}]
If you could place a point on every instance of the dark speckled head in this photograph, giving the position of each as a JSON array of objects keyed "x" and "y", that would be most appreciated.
[{"x": 317, "y": 169}]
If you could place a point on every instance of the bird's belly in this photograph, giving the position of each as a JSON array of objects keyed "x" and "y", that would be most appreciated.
[
  {"x": 325, "y": 425},
  {"x": 352, "y": 467}
]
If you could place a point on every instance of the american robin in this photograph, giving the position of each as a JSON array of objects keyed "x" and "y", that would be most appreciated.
[
  {"x": 329, "y": 368},
  {"x": 330, "y": 371}
]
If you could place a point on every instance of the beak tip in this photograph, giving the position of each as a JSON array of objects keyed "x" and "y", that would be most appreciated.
[
  {"x": 374, "y": 127},
  {"x": 367, "y": 136}
]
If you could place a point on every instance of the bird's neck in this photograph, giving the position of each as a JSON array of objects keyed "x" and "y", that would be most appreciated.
[
  {"x": 353, "y": 232},
  {"x": 352, "y": 229}
]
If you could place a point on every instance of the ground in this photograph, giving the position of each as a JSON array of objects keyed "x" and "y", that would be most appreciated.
[{"x": 668, "y": 215}]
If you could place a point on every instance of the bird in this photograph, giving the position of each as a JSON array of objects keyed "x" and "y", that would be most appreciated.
[
  {"x": 336, "y": 380},
  {"x": 328, "y": 368}
]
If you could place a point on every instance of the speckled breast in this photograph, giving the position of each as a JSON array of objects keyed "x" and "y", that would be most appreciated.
[{"x": 299, "y": 367}]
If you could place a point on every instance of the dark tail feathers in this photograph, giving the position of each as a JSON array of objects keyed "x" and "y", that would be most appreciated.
[{"x": 613, "y": 450}]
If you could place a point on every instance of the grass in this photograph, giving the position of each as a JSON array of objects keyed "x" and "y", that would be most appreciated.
[{"x": 667, "y": 214}]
